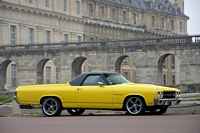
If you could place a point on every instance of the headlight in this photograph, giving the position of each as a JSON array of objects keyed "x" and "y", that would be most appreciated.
[
  {"x": 178, "y": 94},
  {"x": 159, "y": 94}
]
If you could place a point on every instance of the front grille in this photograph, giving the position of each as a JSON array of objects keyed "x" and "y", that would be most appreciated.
[{"x": 169, "y": 94}]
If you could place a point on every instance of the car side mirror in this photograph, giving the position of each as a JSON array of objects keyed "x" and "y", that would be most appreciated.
[{"x": 100, "y": 84}]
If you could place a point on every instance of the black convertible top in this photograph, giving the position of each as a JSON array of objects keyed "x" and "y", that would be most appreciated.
[{"x": 78, "y": 80}]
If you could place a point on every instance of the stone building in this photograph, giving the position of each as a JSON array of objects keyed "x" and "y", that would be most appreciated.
[{"x": 50, "y": 21}]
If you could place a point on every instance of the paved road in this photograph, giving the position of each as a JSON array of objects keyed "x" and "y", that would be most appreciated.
[{"x": 101, "y": 124}]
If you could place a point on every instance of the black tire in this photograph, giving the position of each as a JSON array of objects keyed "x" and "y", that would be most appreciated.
[
  {"x": 75, "y": 111},
  {"x": 135, "y": 105},
  {"x": 158, "y": 111},
  {"x": 51, "y": 106}
]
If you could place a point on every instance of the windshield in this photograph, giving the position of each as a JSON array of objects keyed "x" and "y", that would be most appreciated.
[{"x": 114, "y": 79}]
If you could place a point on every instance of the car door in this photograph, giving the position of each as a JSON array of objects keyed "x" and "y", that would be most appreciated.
[{"x": 92, "y": 95}]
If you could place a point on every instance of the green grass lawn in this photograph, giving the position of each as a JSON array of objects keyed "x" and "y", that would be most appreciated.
[{"x": 6, "y": 98}]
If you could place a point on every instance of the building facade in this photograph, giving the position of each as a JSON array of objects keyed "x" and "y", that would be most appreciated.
[{"x": 49, "y": 21}]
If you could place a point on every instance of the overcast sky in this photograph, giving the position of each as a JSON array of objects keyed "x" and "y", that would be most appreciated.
[{"x": 192, "y": 9}]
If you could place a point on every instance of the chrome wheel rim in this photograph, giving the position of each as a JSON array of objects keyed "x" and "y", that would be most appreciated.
[
  {"x": 134, "y": 105},
  {"x": 50, "y": 107}
]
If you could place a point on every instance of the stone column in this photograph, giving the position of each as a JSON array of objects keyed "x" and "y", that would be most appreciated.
[
  {"x": 57, "y": 35},
  {"x": 185, "y": 27},
  {"x": 85, "y": 38},
  {"x": 176, "y": 23},
  {"x": 23, "y": 37},
  {"x": 157, "y": 22},
  {"x": 96, "y": 10},
  {"x": 73, "y": 36},
  {"x": 4, "y": 34},
  {"x": 108, "y": 12},
  {"x": 139, "y": 19},
  {"x": 40, "y": 35},
  {"x": 84, "y": 9},
  {"x": 129, "y": 16},
  {"x": 119, "y": 15},
  {"x": 167, "y": 24}
]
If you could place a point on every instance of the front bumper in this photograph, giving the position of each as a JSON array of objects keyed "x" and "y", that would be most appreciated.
[{"x": 167, "y": 101}]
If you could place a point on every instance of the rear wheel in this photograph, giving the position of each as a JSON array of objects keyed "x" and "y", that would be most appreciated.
[
  {"x": 135, "y": 105},
  {"x": 76, "y": 111},
  {"x": 51, "y": 106},
  {"x": 158, "y": 111}
]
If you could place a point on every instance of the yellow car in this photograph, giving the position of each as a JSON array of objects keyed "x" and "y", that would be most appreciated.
[{"x": 98, "y": 90}]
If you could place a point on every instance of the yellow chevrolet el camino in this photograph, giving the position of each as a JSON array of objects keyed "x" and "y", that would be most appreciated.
[{"x": 98, "y": 90}]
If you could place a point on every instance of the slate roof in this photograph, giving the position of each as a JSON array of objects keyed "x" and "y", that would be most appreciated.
[{"x": 149, "y": 5}]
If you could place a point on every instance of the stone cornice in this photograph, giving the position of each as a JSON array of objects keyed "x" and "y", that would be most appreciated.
[
  {"x": 40, "y": 11},
  {"x": 111, "y": 24}
]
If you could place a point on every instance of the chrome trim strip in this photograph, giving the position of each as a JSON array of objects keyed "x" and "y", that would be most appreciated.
[{"x": 165, "y": 101}]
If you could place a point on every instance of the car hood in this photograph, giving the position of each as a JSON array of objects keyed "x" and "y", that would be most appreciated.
[{"x": 150, "y": 86}]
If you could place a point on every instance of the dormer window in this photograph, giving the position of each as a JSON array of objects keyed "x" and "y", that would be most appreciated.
[
  {"x": 151, "y": 4},
  {"x": 160, "y": 7},
  {"x": 170, "y": 9},
  {"x": 131, "y": 1},
  {"x": 178, "y": 10},
  {"x": 29, "y": 1}
]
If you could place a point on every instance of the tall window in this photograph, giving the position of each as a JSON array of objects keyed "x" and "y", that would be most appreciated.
[
  {"x": 173, "y": 80},
  {"x": 13, "y": 75},
  {"x": 48, "y": 74},
  {"x": 29, "y": 1},
  {"x": 113, "y": 14},
  {"x": 46, "y": 3},
  {"x": 64, "y": 5},
  {"x": 134, "y": 19},
  {"x": 102, "y": 12},
  {"x": 164, "y": 63},
  {"x": 66, "y": 38},
  {"x": 12, "y": 35},
  {"x": 92, "y": 39},
  {"x": 78, "y": 7},
  {"x": 126, "y": 75},
  {"x": 30, "y": 35},
  {"x": 171, "y": 24},
  {"x": 152, "y": 21},
  {"x": 162, "y": 23},
  {"x": 47, "y": 36},
  {"x": 78, "y": 38},
  {"x": 181, "y": 27},
  {"x": 164, "y": 79},
  {"x": 90, "y": 11},
  {"x": 173, "y": 61},
  {"x": 124, "y": 17}
]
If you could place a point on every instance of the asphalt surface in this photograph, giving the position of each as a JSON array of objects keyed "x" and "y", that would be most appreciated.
[
  {"x": 101, "y": 124},
  {"x": 184, "y": 118}
]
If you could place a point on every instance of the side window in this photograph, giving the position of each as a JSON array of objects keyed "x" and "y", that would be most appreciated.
[
  {"x": 113, "y": 80},
  {"x": 92, "y": 80}
]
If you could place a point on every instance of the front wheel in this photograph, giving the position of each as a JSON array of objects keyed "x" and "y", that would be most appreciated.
[
  {"x": 135, "y": 105},
  {"x": 51, "y": 106},
  {"x": 75, "y": 111}
]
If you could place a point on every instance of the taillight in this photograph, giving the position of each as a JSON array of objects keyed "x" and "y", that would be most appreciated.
[{"x": 15, "y": 94}]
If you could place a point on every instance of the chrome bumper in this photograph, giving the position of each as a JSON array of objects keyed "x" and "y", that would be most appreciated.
[
  {"x": 168, "y": 102},
  {"x": 15, "y": 98}
]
